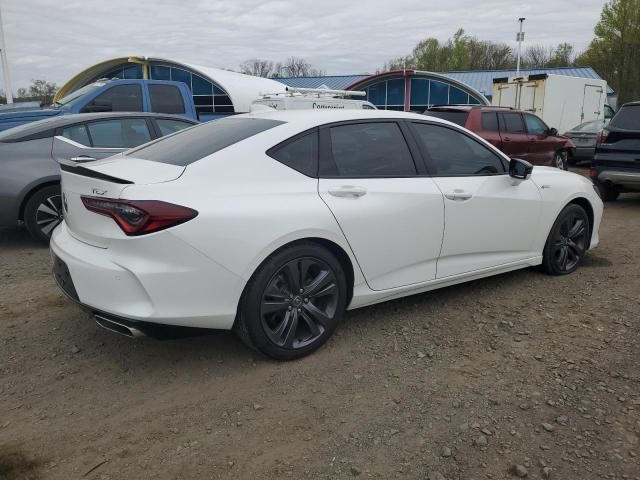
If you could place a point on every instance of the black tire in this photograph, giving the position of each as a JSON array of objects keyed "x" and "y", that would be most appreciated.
[
  {"x": 608, "y": 192},
  {"x": 560, "y": 160},
  {"x": 567, "y": 242},
  {"x": 287, "y": 325},
  {"x": 43, "y": 212}
]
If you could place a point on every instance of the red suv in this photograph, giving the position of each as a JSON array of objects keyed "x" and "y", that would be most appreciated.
[{"x": 518, "y": 134}]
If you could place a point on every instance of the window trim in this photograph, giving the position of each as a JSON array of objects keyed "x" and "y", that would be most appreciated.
[
  {"x": 311, "y": 131},
  {"x": 427, "y": 158},
  {"x": 148, "y": 120},
  {"x": 327, "y": 163}
]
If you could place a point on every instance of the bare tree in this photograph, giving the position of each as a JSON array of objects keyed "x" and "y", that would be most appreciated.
[
  {"x": 257, "y": 67},
  {"x": 537, "y": 56},
  {"x": 296, "y": 67}
]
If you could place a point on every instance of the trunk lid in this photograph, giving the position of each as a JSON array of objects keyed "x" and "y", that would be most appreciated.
[{"x": 105, "y": 179}]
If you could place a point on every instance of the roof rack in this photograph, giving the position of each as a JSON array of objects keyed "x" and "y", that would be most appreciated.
[{"x": 316, "y": 92}]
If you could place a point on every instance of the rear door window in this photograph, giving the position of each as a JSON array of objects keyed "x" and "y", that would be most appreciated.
[
  {"x": 490, "y": 121},
  {"x": 202, "y": 140},
  {"x": 365, "y": 150},
  {"x": 77, "y": 133},
  {"x": 166, "y": 99},
  {"x": 121, "y": 133},
  {"x": 627, "y": 118},
  {"x": 121, "y": 98},
  {"x": 512, "y": 123}
]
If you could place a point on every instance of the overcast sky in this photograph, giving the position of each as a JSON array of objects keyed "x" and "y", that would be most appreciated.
[{"x": 54, "y": 39}]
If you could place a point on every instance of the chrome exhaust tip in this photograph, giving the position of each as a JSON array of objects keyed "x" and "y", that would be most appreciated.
[{"x": 117, "y": 327}]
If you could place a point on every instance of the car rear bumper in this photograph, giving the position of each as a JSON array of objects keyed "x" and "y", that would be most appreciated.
[
  {"x": 160, "y": 279},
  {"x": 584, "y": 153},
  {"x": 628, "y": 180}
]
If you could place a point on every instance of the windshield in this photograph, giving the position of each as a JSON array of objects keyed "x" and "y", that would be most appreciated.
[
  {"x": 74, "y": 97},
  {"x": 590, "y": 127},
  {"x": 29, "y": 129}
]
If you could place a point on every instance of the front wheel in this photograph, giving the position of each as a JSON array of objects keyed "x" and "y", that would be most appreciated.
[
  {"x": 560, "y": 160},
  {"x": 293, "y": 303},
  {"x": 567, "y": 242},
  {"x": 43, "y": 212}
]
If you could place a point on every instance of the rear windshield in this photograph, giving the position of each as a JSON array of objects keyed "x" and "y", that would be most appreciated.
[
  {"x": 627, "y": 118},
  {"x": 590, "y": 127},
  {"x": 455, "y": 116},
  {"x": 192, "y": 144}
]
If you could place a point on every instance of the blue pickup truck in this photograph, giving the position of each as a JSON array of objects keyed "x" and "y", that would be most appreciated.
[{"x": 115, "y": 95}]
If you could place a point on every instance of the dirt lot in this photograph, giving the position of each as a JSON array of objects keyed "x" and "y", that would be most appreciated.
[{"x": 465, "y": 383}]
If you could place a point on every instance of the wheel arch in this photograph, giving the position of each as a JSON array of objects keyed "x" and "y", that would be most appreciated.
[
  {"x": 586, "y": 205},
  {"x": 337, "y": 250}
]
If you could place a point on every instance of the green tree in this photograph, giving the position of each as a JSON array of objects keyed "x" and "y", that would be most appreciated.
[
  {"x": 39, "y": 90},
  {"x": 615, "y": 50}
]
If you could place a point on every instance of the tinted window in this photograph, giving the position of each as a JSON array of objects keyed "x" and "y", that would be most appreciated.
[
  {"x": 371, "y": 150},
  {"x": 627, "y": 118},
  {"x": 195, "y": 143},
  {"x": 490, "y": 121},
  {"x": 456, "y": 116},
  {"x": 124, "y": 133},
  {"x": 121, "y": 98},
  {"x": 512, "y": 123},
  {"x": 77, "y": 133},
  {"x": 166, "y": 99},
  {"x": 168, "y": 126},
  {"x": 300, "y": 154},
  {"x": 451, "y": 153},
  {"x": 535, "y": 126}
]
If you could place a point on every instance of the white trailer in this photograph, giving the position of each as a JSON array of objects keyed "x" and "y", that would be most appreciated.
[{"x": 561, "y": 101}]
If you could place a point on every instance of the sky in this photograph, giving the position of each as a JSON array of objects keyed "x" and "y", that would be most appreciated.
[{"x": 55, "y": 39}]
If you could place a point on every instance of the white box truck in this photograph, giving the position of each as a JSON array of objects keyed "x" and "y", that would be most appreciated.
[{"x": 563, "y": 102}]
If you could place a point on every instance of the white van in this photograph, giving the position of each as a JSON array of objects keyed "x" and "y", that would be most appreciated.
[{"x": 312, "y": 99}]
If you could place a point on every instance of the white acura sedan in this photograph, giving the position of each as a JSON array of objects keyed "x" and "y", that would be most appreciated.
[{"x": 274, "y": 223}]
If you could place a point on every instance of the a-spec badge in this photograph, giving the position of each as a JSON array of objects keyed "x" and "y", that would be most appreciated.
[{"x": 97, "y": 191}]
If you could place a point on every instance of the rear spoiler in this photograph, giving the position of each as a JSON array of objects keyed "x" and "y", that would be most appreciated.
[{"x": 78, "y": 169}]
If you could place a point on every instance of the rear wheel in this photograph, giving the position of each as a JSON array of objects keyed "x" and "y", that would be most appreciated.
[
  {"x": 293, "y": 303},
  {"x": 608, "y": 192},
  {"x": 560, "y": 160},
  {"x": 43, "y": 212},
  {"x": 567, "y": 242}
]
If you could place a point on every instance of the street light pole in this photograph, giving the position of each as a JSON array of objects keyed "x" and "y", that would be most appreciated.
[
  {"x": 5, "y": 64},
  {"x": 520, "y": 39}
]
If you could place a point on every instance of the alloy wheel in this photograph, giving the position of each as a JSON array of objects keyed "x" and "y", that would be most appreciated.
[
  {"x": 49, "y": 214},
  {"x": 299, "y": 303},
  {"x": 570, "y": 242},
  {"x": 560, "y": 160}
]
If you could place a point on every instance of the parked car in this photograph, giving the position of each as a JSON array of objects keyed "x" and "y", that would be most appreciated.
[
  {"x": 616, "y": 165},
  {"x": 584, "y": 137},
  {"x": 273, "y": 223},
  {"x": 115, "y": 95},
  {"x": 517, "y": 134},
  {"x": 29, "y": 156}
]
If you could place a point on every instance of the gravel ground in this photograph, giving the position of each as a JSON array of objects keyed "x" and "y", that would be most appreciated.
[{"x": 519, "y": 375}]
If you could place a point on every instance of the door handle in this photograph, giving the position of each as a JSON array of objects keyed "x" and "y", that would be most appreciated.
[
  {"x": 82, "y": 158},
  {"x": 348, "y": 191},
  {"x": 458, "y": 195},
  {"x": 506, "y": 139}
]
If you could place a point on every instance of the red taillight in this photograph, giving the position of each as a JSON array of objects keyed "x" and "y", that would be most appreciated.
[
  {"x": 602, "y": 136},
  {"x": 593, "y": 173},
  {"x": 139, "y": 217}
]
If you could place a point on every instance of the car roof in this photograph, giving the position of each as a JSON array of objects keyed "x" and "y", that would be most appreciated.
[
  {"x": 39, "y": 128},
  {"x": 468, "y": 108}
]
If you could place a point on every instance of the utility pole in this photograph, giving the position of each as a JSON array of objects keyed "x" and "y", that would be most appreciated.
[
  {"x": 5, "y": 64},
  {"x": 520, "y": 39}
]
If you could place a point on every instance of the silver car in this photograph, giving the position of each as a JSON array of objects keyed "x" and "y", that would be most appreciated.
[
  {"x": 584, "y": 137},
  {"x": 29, "y": 156}
]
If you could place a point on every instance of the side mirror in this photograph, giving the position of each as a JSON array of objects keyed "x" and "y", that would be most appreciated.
[
  {"x": 553, "y": 132},
  {"x": 98, "y": 106},
  {"x": 520, "y": 169}
]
